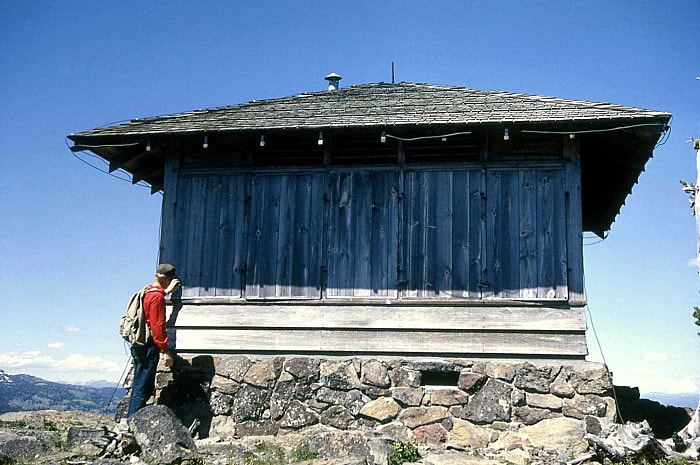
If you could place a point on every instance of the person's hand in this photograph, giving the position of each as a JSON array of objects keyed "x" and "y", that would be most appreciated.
[
  {"x": 172, "y": 287},
  {"x": 169, "y": 360}
]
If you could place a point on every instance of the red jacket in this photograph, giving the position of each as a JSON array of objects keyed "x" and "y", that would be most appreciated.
[{"x": 154, "y": 311}]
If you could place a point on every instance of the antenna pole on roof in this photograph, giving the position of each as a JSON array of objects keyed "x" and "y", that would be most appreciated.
[{"x": 392, "y": 72}]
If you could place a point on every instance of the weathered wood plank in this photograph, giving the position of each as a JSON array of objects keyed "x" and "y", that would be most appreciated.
[
  {"x": 211, "y": 234},
  {"x": 381, "y": 317},
  {"x": 195, "y": 238},
  {"x": 285, "y": 237},
  {"x": 168, "y": 210},
  {"x": 574, "y": 241},
  {"x": 461, "y": 247},
  {"x": 511, "y": 238},
  {"x": 359, "y": 341},
  {"x": 528, "y": 238},
  {"x": 443, "y": 234},
  {"x": 362, "y": 229},
  {"x": 496, "y": 259},
  {"x": 380, "y": 205},
  {"x": 546, "y": 256},
  {"x": 560, "y": 279}
]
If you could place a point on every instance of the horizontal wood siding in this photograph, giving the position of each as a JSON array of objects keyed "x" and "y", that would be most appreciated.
[
  {"x": 380, "y": 317},
  {"x": 379, "y": 342}
]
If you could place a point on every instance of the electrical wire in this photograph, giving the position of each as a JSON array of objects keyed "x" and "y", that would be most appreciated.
[
  {"x": 408, "y": 139},
  {"x": 602, "y": 355},
  {"x": 119, "y": 382},
  {"x": 588, "y": 131},
  {"x": 140, "y": 184}
]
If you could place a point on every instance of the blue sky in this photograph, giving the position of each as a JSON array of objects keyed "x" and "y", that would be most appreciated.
[{"x": 74, "y": 243}]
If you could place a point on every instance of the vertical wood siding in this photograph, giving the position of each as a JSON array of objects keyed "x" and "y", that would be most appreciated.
[
  {"x": 442, "y": 234},
  {"x": 481, "y": 233},
  {"x": 284, "y": 240},
  {"x": 526, "y": 253},
  {"x": 363, "y": 234},
  {"x": 208, "y": 230}
]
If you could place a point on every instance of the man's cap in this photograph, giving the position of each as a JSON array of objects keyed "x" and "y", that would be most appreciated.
[{"x": 166, "y": 269}]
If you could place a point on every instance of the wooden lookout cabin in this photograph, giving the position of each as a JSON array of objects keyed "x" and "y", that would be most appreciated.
[{"x": 384, "y": 220}]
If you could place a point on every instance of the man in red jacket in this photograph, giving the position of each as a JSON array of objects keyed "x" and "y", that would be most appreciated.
[{"x": 146, "y": 357}]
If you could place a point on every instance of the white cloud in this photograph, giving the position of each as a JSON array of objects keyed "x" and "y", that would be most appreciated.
[
  {"x": 75, "y": 367},
  {"x": 670, "y": 385},
  {"x": 71, "y": 329},
  {"x": 56, "y": 345},
  {"x": 655, "y": 357},
  {"x": 692, "y": 262}
]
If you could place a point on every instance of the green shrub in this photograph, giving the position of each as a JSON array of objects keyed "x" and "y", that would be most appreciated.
[
  {"x": 402, "y": 452},
  {"x": 303, "y": 451},
  {"x": 48, "y": 425}
]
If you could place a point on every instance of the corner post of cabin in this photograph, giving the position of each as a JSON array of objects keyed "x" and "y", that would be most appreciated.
[
  {"x": 574, "y": 240},
  {"x": 170, "y": 174}
]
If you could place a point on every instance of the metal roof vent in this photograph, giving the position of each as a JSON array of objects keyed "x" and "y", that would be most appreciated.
[{"x": 333, "y": 81}]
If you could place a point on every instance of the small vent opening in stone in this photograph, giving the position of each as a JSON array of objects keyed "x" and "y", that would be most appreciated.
[{"x": 439, "y": 378}]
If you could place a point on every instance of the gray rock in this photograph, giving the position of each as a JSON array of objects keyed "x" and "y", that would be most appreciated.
[
  {"x": 408, "y": 396},
  {"x": 436, "y": 365},
  {"x": 548, "y": 401},
  {"x": 224, "y": 385},
  {"x": 337, "y": 416},
  {"x": 375, "y": 373},
  {"x": 261, "y": 375},
  {"x": 78, "y": 435},
  {"x": 374, "y": 392},
  {"x": 161, "y": 436},
  {"x": 352, "y": 400},
  {"x": 464, "y": 433},
  {"x": 284, "y": 393},
  {"x": 562, "y": 385},
  {"x": 256, "y": 428},
  {"x": 339, "y": 375},
  {"x": 517, "y": 398},
  {"x": 405, "y": 377},
  {"x": 502, "y": 371},
  {"x": 20, "y": 448},
  {"x": 532, "y": 379},
  {"x": 592, "y": 382},
  {"x": 430, "y": 434},
  {"x": 414, "y": 417},
  {"x": 491, "y": 403},
  {"x": 592, "y": 425},
  {"x": 163, "y": 380},
  {"x": 470, "y": 382},
  {"x": 530, "y": 415},
  {"x": 302, "y": 368},
  {"x": 448, "y": 397},
  {"x": 298, "y": 416},
  {"x": 582, "y": 405},
  {"x": 249, "y": 403},
  {"x": 234, "y": 367},
  {"x": 383, "y": 409},
  {"x": 220, "y": 403}
]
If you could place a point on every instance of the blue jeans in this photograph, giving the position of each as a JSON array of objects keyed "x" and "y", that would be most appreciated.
[{"x": 145, "y": 364}]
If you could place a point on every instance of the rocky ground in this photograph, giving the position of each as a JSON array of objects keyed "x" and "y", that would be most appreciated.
[{"x": 50, "y": 437}]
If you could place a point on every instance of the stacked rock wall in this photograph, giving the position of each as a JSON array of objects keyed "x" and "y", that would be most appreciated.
[{"x": 468, "y": 403}]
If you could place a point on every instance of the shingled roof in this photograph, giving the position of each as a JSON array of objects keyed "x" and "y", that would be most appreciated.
[
  {"x": 380, "y": 105},
  {"x": 615, "y": 140}
]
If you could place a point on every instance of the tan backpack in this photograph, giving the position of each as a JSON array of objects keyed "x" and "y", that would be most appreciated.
[{"x": 132, "y": 326}]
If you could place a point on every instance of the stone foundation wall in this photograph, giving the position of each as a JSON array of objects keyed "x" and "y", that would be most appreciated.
[{"x": 465, "y": 403}]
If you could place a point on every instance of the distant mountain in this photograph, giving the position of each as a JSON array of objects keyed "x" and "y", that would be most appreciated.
[
  {"x": 689, "y": 400},
  {"x": 26, "y": 393}
]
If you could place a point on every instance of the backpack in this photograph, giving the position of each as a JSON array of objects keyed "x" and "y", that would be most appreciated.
[{"x": 132, "y": 326}]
